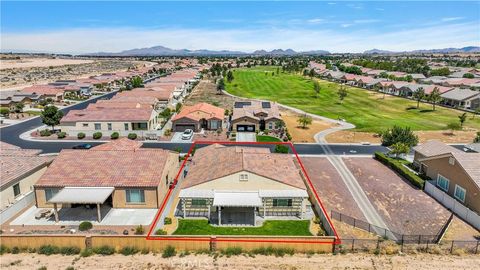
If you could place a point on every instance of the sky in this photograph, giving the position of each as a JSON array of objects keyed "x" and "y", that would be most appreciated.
[{"x": 112, "y": 26}]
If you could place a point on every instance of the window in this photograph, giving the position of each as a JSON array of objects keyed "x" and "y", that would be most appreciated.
[
  {"x": 98, "y": 126},
  {"x": 443, "y": 182},
  {"x": 213, "y": 124},
  {"x": 270, "y": 125},
  {"x": 135, "y": 195},
  {"x": 109, "y": 125},
  {"x": 16, "y": 190},
  {"x": 460, "y": 193},
  {"x": 85, "y": 124},
  {"x": 50, "y": 192},
  {"x": 243, "y": 177},
  {"x": 199, "y": 202},
  {"x": 282, "y": 202},
  {"x": 126, "y": 126}
]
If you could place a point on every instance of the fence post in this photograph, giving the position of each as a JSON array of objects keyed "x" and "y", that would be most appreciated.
[
  {"x": 353, "y": 245},
  {"x": 368, "y": 227},
  {"x": 419, "y": 239},
  {"x": 401, "y": 248},
  {"x": 354, "y": 223},
  {"x": 476, "y": 248},
  {"x": 451, "y": 247},
  {"x": 427, "y": 246},
  {"x": 378, "y": 244}
]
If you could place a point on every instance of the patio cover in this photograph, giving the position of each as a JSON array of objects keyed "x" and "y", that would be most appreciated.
[
  {"x": 87, "y": 195},
  {"x": 237, "y": 199}
]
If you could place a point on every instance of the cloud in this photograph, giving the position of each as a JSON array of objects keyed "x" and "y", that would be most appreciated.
[
  {"x": 366, "y": 21},
  {"x": 331, "y": 3},
  {"x": 451, "y": 19},
  {"x": 85, "y": 40},
  {"x": 316, "y": 20},
  {"x": 345, "y": 25},
  {"x": 380, "y": 9}
]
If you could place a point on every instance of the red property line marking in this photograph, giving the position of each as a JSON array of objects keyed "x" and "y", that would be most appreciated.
[{"x": 220, "y": 239}]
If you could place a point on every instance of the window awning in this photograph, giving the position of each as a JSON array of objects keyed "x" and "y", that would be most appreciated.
[
  {"x": 82, "y": 195},
  {"x": 237, "y": 199}
]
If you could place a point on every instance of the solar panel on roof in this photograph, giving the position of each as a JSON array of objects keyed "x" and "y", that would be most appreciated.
[
  {"x": 241, "y": 104},
  {"x": 266, "y": 105}
]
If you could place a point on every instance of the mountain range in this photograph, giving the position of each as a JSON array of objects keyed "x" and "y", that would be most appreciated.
[{"x": 469, "y": 49}]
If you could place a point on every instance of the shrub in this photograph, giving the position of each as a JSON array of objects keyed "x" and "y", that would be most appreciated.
[
  {"x": 85, "y": 226},
  {"x": 232, "y": 251},
  {"x": 4, "y": 111},
  {"x": 167, "y": 132},
  {"x": 278, "y": 252},
  {"x": 168, "y": 252},
  {"x": 398, "y": 134},
  {"x": 81, "y": 135},
  {"x": 139, "y": 230},
  {"x": 129, "y": 251},
  {"x": 97, "y": 135},
  {"x": 4, "y": 249},
  {"x": 70, "y": 268},
  {"x": 167, "y": 221},
  {"x": 104, "y": 250},
  {"x": 160, "y": 232},
  {"x": 279, "y": 148},
  {"x": 15, "y": 250},
  {"x": 61, "y": 135},
  {"x": 45, "y": 132},
  {"x": 400, "y": 169},
  {"x": 132, "y": 136},
  {"x": 86, "y": 252},
  {"x": 114, "y": 135},
  {"x": 48, "y": 250},
  {"x": 69, "y": 250},
  {"x": 42, "y": 268}
]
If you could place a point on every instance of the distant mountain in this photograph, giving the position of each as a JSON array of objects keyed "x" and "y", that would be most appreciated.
[
  {"x": 164, "y": 51},
  {"x": 469, "y": 49}
]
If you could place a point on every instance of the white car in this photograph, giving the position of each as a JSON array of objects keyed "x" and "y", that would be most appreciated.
[{"x": 187, "y": 134}]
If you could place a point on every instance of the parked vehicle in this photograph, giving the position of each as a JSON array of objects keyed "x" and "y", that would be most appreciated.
[
  {"x": 187, "y": 134},
  {"x": 82, "y": 146}
]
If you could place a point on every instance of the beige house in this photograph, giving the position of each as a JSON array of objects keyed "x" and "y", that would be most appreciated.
[
  {"x": 240, "y": 185},
  {"x": 455, "y": 172},
  {"x": 20, "y": 170},
  {"x": 197, "y": 117},
  {"x": 251, "y": 116},
  {"x": 118, "y": 174}
]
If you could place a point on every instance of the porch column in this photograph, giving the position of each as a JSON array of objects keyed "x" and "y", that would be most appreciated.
[
  {"x": 99, "y": 214},
  {"x": 208, "y": 206},
  {"x": 184, "y": 208},
  {"x": 219, "y": 215},
  {"x": 264, "y": 207},
  {"x": 55, "y": 212}
]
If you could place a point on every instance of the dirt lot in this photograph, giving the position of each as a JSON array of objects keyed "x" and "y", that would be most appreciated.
[
  {"x": 40, "y": 62},
  {"x": 330, "y": 187},
  {"x": 403, "y": 207},
  {"x": 423, "y": 136},
  {"x": 459, "y": 230},
  {"x": 298, "y": 261},
  {"x": 206, "y": 91},
  {"x": 299, "y": 134}
]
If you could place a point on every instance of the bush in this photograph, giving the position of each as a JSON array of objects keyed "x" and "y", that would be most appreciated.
[
  {"x": 85, "y": 226},
  {"x": 97, "y": 135},
  {"x": 86, "y": 252},
  {"x": 15, "y": 250},
  {"x": 4, "y": 249},
  {"x": 48, "y": 250},
  {"x": 167, "y": 221},
  {"x": 114, "y": 135},
  {"x": 279, "y": 148},
  {"x": 132, "y": 136},
  {"x": 160, "y": 232},
  {"x": 400, "y": 169},
  {"x": 61, "y": 135},
  {"x": 129, "y": 251},
  {"x": 45, "y": 132},
  {"x": 4, "y": 111},
  {"x": 69, "y": 250},
  {"x": 232, "y": 251},
  {"x": 278, "y": 252},
  {"x": 81, "y": 135},
  {"x": 104, "y": 250},
  {"x": 168, "y": 252},
  {"x": 139, "y": 230},
  {"x": 398, "y": 134}
]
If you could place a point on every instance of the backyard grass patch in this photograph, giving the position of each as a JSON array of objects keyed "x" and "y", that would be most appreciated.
[
  {"x": 265, "y": 138},
  {"x": 270, "y": 227},
  {"x": 366, "y": 109}
]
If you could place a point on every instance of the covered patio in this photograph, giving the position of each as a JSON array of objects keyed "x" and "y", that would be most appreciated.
[{"x": 236, "y": 208}]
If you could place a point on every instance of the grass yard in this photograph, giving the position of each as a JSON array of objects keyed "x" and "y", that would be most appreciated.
[
  {"x": 270, "y": 227},
  {"x": 265, "y": 138},
  {"x": 366, "y": 109}
]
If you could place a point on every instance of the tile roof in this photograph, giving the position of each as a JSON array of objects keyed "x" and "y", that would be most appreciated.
[
  {"x": 146, "y": 92},
  {"x": 254, "y": 108},
  {"x": 120, "y": 144},
  {"x": 216, "y": 161},
  {"x": 199, "y": 111},
  {"x": 434, "y": 148},
  {"x": 470, "y": 162},
  {"x": 103, "y": 168},
  {"x": 149, "y": 100},
  {"x": 109, "y": 114},
  {"x": 116, "y": 104},
  {"x": 16, "y": 162},
  {"x": 460, "y": 94},
  {"x": 43, "y": 90}
]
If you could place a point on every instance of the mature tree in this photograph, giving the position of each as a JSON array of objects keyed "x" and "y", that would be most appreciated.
[
  {"x": 399, "y": 134},
  {"x": 278, "y": 70},
  {"x": 462, "y": 118},
  {"x": 477, "y": 111},
  {"x": 230, "y": 76},
  {"x": 342, "y": 93},
  {"x": 399, "y": 148},
  {"x": 454, "y": 126},
  {"x": 312, "y": 73},
  {"x": 477, "y": 139},
  {"x": 304, "y": 120},
  {"x": 136, "y": 82},
  {"x": 4, "y": 111},
  {"x": 51, "y": 116},
  {"x": 435, "y": 97},
  {"x": 305, "y": 72},
  {"x": 419, "y": 95},
  {"x": 19, "y": 107},
  {"x": 220, "y": 85},
  {"x": 316, "y": 88},
  {"x": 468, "y": 75}
]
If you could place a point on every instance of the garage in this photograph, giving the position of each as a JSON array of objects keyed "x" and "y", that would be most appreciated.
[
  {"x": 183, "y": 127},
  {"x": 245, "y": 128}
]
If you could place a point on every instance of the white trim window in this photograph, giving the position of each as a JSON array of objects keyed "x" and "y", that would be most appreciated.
[
  {"x": 460, "y": 193},
  {"x": 443, "y": 182},
  {"x": 243, "y": 177}
]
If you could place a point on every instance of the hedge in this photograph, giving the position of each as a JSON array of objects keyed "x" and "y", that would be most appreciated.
[{"x": 400, "y": 169}]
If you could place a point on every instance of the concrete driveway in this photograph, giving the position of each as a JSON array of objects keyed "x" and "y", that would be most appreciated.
[
  {"x": 177, "y": 137},
  {"x": 246, "y": 137}
]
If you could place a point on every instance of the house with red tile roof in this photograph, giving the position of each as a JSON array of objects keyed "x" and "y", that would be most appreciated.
[
  {"x": 250, "y": 116},
  {"x": 197, "y": 117},
  {"x": 115, "y": 175},
  {"x": 249, "y": 183}
]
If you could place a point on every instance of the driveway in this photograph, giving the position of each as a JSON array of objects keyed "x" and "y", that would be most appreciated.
[
  {"x": 177, "y": 137},
  {"x": 246, "y": 137}
]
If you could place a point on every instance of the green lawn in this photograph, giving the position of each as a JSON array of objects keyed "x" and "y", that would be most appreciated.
[
  {"x": 270, "y": 227},
  {"x": 366, "y": 109},
  {"x": 265, "y": 138}
]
